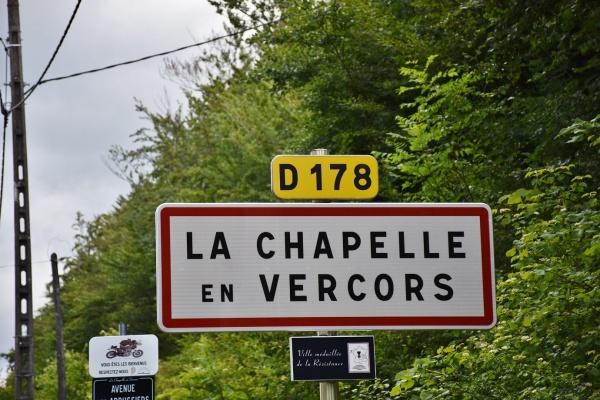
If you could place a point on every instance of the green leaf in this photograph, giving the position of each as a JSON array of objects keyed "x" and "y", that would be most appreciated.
[
  {"x": 511, "y": 252},
  {"x": 396, "y": 390}
]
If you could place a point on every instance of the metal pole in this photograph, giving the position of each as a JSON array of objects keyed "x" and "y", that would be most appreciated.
[
  {"x": 60, "y": 347},
  {"x": 122, "y": 329},
  {"x": 24, "y": 385},
  {"x": 327, "y": 390}
]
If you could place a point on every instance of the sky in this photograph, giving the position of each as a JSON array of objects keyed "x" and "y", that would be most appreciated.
[{"x": 72, "y": 124}]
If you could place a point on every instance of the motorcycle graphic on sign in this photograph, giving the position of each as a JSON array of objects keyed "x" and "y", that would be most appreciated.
[
  {"x": 126, "y": 348},
  {"x": 122, "y": 356}
]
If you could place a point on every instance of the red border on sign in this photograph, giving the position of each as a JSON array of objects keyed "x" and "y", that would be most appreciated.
[{"x": 168, "y": 323}]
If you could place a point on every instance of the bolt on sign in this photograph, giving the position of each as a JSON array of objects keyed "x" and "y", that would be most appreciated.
[
  {"x": 324, "y": 266},
  {"x": 303, "y": 177}
]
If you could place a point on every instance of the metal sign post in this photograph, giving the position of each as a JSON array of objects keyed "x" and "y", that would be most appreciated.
[{"x": 328, "y": 390}]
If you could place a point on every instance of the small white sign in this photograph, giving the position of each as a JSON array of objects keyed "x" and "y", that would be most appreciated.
[{"x": 119, "y": 356}]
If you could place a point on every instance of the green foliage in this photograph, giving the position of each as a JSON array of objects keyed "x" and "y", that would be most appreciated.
[
  {"x": 7, "y": 390},
  {"x": 342, "y": 58},
  {"x": 441, "y": 154},
  {"x": 366, "y": 389},
  {"x": 232, "y": 366},
  {"x": 79, "y": 383},
  {"x": 486, "y": 124},
  {"x": 221, "y": 151},
  {"x": 583, "y": 131},
  {"x": 492, "y": 101},
  {"x": 544, "y": 345}
]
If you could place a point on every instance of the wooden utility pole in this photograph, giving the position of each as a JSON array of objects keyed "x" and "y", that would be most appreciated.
[{"x": 24, "y": 387}]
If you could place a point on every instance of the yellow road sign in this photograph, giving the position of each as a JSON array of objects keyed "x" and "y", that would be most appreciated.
[{"x": 324, "y": 177}]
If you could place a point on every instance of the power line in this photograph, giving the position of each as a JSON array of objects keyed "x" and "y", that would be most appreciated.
[
  {"x": 157, "y": 54},
  {"x": 33, "y": 262},
  {"x": 60, "y": 42}
]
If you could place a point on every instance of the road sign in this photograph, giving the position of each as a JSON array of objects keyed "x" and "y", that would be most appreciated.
[
  {"x": 132, "y": 388},
  {"x": 324, "y": 177},
  {"x": 332, "y": 358},
  {"x": 324, "y": 266},
  {"x": 120, "y": 356}
]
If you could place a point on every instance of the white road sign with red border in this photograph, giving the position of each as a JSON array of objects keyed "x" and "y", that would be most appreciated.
[{"x": 324, "y": 266}]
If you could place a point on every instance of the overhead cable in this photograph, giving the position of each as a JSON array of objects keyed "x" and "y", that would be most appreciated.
[
  {"x": 62, "y": 39},
  {"x": 158, "y": 54}
]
